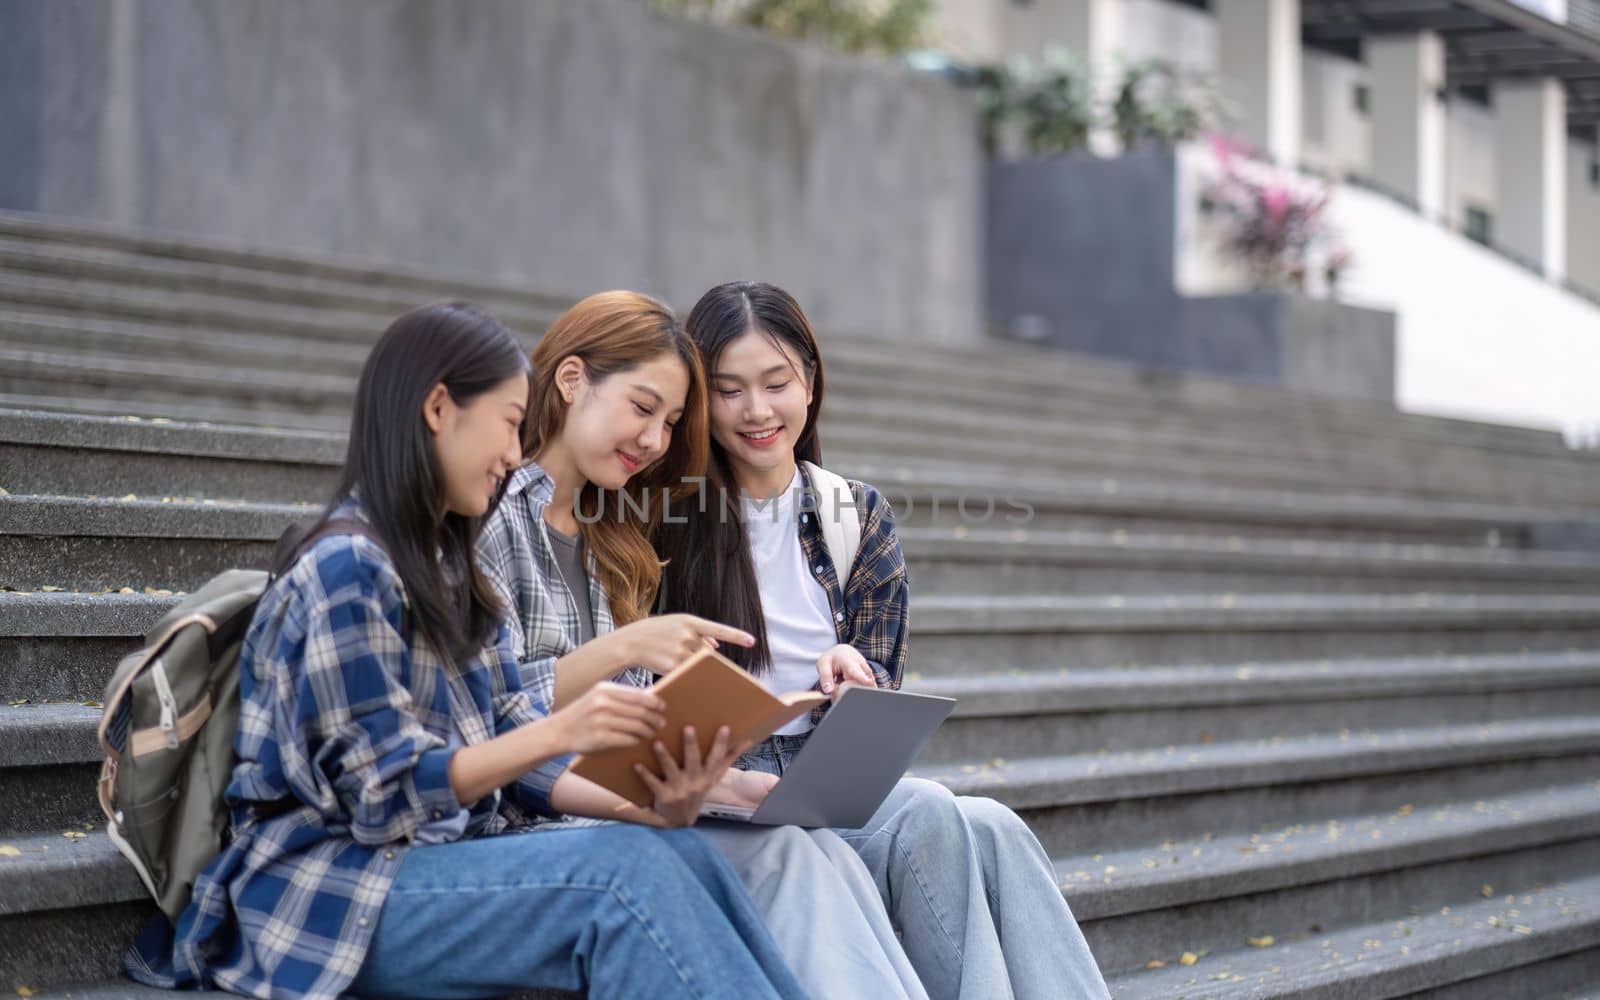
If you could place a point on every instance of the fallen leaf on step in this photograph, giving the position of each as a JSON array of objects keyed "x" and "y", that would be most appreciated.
[
  {"x": 131, "y": 496},
  {"x": 92, "y": 704},
  {"x": 3, "y": 493},
  {"x": 1263, "y": 942},
  {"x": 17, "y": 702},
  {"x": 125, "y": 590},
  {"x": 74, "y": 834},
  {"x": 1189, "y": 958},
  {"x": 1487, "y": 891},
  {"x": 7, "y": 851},
  {"x": 1155, "y": 963},
  {"x": 26, "y": 991},
  {"x": 1405, "y": 810},
  {"x": 51, "y": 590}
]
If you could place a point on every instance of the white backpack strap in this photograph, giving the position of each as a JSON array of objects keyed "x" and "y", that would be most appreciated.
[{"x": 841, "y": 521}]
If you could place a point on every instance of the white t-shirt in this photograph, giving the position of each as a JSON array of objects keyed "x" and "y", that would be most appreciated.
[{"x": 799, "y": 620}]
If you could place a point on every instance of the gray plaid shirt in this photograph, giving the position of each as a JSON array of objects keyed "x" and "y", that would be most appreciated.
[{"x": 516, "y": 554}]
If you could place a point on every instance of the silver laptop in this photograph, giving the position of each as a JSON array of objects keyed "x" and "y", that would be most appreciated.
[{"x": 851, "y": 762}]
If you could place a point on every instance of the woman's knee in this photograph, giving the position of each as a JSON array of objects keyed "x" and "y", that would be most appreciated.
[
  {"x": 990, "y": 818},
  {"x": 928, "y": 798}
]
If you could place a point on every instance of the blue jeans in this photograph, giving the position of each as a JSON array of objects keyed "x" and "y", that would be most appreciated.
[
  {"x": 617, "y": 910},
  {"x": 970, "y": 889}
]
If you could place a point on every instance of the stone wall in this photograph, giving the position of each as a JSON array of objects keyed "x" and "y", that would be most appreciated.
[{"x": 569, "y": 144}]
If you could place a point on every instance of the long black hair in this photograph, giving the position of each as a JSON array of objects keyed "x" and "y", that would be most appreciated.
[
  {"x": 392, "y": 467},
  {"x": 709, "y": 570}
]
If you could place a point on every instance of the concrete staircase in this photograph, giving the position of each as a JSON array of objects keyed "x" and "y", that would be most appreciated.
[{"x": 1303, "y": 695}]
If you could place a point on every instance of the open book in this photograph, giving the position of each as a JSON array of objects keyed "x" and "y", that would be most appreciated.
[{"x": 707, "y": 691}]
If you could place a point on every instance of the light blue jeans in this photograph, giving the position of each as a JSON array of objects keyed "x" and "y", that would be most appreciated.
[
  {"x": 617, "y": 910},
  {"x": 970, "y": 889}
]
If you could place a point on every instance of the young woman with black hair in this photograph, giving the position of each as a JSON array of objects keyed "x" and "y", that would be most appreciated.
[
  {"x": 385, "y": 742},
  {"x": 970, "y": 888}
]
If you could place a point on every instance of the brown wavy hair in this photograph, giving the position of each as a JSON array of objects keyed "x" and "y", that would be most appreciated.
[{"x": 613, "y": 332}]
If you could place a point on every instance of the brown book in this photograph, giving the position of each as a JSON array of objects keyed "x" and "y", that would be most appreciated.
[{"x": 707, "y": 691}]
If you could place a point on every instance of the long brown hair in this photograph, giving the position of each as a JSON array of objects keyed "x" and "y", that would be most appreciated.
[
  {"x": 612, "y": 332},
  {"x": 709, "y": 570}
]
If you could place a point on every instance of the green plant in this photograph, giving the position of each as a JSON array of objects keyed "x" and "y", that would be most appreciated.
[
  {"x": 1050, "y": 107},
  {"x": 1157, "y": 102},
  {"x": 891, "y": 27}
]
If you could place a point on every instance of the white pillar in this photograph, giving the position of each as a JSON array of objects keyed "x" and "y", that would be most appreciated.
[
  {"x": 1530, "y": 119},
  {"x": 1258, "y": 53},
  {"x": 1408, "y": 117},
  {"x": 1089, "y": 29}
]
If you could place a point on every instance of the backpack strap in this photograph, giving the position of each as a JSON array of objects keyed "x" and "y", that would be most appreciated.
[
  {"x": 300, "y": 536},
  {"x": 841, "y": 521}
]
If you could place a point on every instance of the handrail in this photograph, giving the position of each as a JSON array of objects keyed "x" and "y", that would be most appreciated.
[{"x": 1528, "y": 264}]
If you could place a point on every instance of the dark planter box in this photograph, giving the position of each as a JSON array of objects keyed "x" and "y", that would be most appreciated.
[{"x": 1079, "y": 253}]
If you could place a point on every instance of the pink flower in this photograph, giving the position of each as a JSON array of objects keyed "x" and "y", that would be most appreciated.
[{"x": 1276, "y": 200}]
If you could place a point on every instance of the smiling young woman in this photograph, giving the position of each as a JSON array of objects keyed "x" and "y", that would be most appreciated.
[
  {"x": 617, "y": 412},
  {"x": 968, "y": 885}
]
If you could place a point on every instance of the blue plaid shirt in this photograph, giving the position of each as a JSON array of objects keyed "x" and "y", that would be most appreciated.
[{"x": 354, "y": 729}]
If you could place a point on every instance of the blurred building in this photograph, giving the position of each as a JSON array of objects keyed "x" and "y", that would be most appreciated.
[{"x": 1465, "y": 132}]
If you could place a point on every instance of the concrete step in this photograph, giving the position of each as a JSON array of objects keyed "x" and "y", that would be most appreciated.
[
  {"x": 246, "y": 284},
  {"x": 1128, "y": 798},
  {"x": 1109, "y": 883},
  {"x": 1017, "y": 366},
  {"x": 1038, "y": 784},
  {"x": 1025, "y": 715},
  {"x": 48, "y": 400},
  {"x": 1573, "y": 976},
  {"x": 80, "y": 335},
  {"x": 239, "y": 392},
  {"x": 1074, "y": 386},
  {"x": 104, "y": 300},
  {"x": 54, "y": 874},
  {"x": 61, "y": 234},
  {"x": 963, "y": 634},
  {"x": 1429, "y": 467},
  {"x": 1085, "y": 414},
  {"x": 866, "y": 400},
  {"x": 262, "y": 396},
  {"x": 958, "y": 409},
  {"x": 956, "y": 635},
  {"x": 1024, "y": 375},
  {"x": 51, "y": 453},
  {"x": 48, "y": 453},
  {"x": 173, "y": 543},
  {"x": 1400, "y": 464},
  {"x": 1122, "y": 944},
  {"x": 1084, "y": 563},
  {"x": 1423, "y": 935}
]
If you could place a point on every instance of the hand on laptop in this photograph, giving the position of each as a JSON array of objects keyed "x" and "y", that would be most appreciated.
[
  {"x": 745, "y": 789},
  {"x": 842, "y": 666}
]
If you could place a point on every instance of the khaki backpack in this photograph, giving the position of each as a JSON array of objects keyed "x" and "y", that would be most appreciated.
[{"x": 167, "y": 729}]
